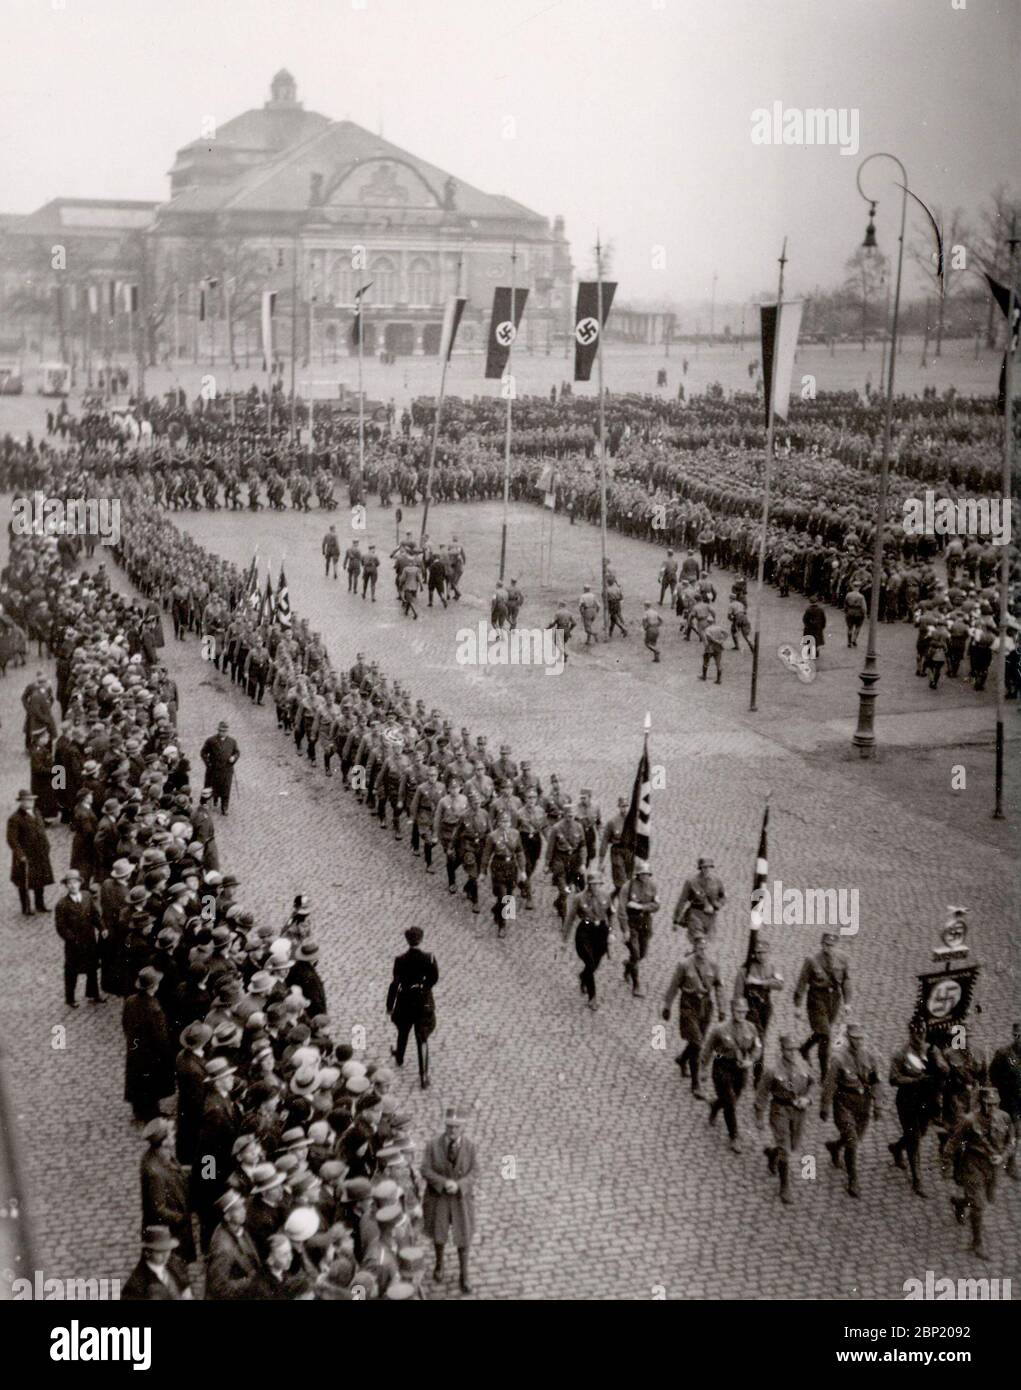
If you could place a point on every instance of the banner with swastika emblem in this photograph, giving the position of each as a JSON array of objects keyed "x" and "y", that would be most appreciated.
[
  {"x": 503, "y": 328},
  {"x": 587, "y": 325}
]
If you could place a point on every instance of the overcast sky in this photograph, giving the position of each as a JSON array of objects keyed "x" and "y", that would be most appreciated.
[{"x": 633, "y": 116}]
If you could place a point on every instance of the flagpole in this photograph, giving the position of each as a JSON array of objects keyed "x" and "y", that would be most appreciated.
[
  {"x": 267, "y": 348},
  {"x": 761, "y": 873},
  {"x": 444, "y": 354},
  {"x": 602, "y": 425},
  {"x": 361, "y": 393},
  {"x": 770, "y": 421},
  {"x": 294, "y": 336},
  {"x": 1008, "y": 431},
  {"x": 230, "y": 346},
  {"x": 508, "y": 377},
  {"x": 177, "y": 330}
]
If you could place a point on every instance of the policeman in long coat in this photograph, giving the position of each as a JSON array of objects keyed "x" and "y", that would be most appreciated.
[
  {"x": 220, "y": 753},
  {"x": 31, "y": 871},
  {"x": 409, "y": 1000},
  {"x": 448, "y": 1205}
]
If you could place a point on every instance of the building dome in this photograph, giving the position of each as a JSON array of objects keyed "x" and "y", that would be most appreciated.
[{"x": 283, "y": 89}]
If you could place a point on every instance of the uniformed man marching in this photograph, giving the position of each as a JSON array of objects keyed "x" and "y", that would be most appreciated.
[
  {"x": 980, "y": 1145},
  {"x": 590, "y": 913},
  {"x": 696, "y": 980},
  {"x": 731, "y": 1050},
  {"x": 612, "y": 843},
  {"x": 700, "y": 900},
  {"x": 786, "y": 1088},
  {"x": 565, "y": 856},
  {"x": 850, "y": 1087},
  {"x": 825, "y": 984},
  {"x": 641, "y": 904},
  {"x": 504, "y": 857},
  {"x": 916, "y": 1071}
]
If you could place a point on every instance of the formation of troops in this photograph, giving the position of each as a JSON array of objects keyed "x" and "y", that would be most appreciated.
[{"x": 309, "y": 1146}]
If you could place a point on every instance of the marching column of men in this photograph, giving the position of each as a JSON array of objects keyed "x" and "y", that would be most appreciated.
[{"x": 274, "y": 1156}]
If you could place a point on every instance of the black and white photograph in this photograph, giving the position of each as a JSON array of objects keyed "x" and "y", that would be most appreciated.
[{"x": 509, "y": 664}]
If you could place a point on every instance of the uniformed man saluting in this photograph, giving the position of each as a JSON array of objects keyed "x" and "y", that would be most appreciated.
[
  {"x": 850, "y": 1087},
  {"x": 786, "y": 1088}
]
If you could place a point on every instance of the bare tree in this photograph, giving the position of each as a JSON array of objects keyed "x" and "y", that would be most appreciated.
[
  {"x": 955, "y": 232},
  {"x": 865, "y": 271}
]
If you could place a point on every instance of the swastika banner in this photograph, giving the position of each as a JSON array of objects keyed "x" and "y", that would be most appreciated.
[
  {"x": 588, "y": 324},
  {"x": 503, "y": 328}
]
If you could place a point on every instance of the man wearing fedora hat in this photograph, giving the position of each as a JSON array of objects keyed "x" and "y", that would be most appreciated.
[
  {"x": 160, "y": 1274},
  {"x": 31, "y": 871},
  {"x": 165, "y": 1188},
  {"x": 214, "y": 1150},
  {"x": 448, "y": 1167},
  {"x": 149, "y": 1061},
  {"x": 233, "y": 1261},
  {"x": 78, "y": 924},
  {"x": 306, "y": 977},
  {"x": 190, "y": 1069}
]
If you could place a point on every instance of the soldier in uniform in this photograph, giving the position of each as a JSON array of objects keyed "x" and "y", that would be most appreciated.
[
  {"x": 825, "y": 984},
  {"x": 353, "y": 565},
  {"x": 590, "y": 913},
  {"x": 696, "y": 980},
  {"x": 588, "y": 607},
  {"x": 668, "y": 578},
  {"x": 755, "y": 983},
  {"x": 979, "y": 1146},
  {"x": 651, "y": 624},
  {"x": 731, "y": 1049},
  {"x": 591, "y": 821},
  {"x": 504, "y": 858},
  {"x": 472, "y": 833},
  {"x": 612, "y": 843},
  {"x": 531, "y": 824},
  {"x": 450, "y": 811},
  {"x": 614, "y": 600},
  {"x": 701, "y": 898},
  {"x": 786, "y": 1087},
  {"x": 1005, "y": 1075},
  {"x": 370, "y": 572},
  {"x": 331, "y": 552},
  {"x": 423, "y": 815},
  {"x": 565, "y": 856},
  {"x": 641, "y": 903},
  {"x": 916, "y": 1072},
  {"x": 850, "y": 1088},
  {"x": 409, "y": 1000}
]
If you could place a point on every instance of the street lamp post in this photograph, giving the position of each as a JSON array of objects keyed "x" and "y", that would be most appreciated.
[{"x": 864, "y": 735}]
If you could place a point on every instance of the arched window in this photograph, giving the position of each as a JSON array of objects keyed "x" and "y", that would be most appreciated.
[
  {"x": 383, "y": 274},
  {"x": 422, "y": 286}
]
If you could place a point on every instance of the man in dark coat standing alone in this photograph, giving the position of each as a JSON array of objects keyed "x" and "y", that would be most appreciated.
[
  {"x": 409, "y": 1000},
  {"x": 448, "y": 1167},
  {"x": 149, "y": 1066},
  {"x": 30, "y": 854},
  {"x": 78, "y": 924},
  {"x": 220, "y": 753}
]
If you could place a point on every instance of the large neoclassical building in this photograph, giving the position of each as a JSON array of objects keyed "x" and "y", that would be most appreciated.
[
  {"x": 280, "y": 194},
  {"x": 282, "y": 198}
]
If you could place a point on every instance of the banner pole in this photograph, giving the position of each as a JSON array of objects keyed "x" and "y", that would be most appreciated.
[
  {"x": 509, "y": 382},
  {"x": 602, "y": 428},
  {"x": 1008, "y": 433},
  {"x": 768, "y": 480}
]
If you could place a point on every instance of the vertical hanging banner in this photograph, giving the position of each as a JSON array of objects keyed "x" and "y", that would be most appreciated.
[
  {"x": 111, "y": 296},
  {"x": 269, "y": 299},
  {"x": 1002, "y": 296},
  {"x": 130, "y": 298},
  {"x": 503, "y": 329},
  {"x": 451, "y": 322},
  {"x": 357, "y": 323},
  {"x": 587, "y": 326},
  {"x": 93, "y": 299},
  {"x": 779, "y": 344}
]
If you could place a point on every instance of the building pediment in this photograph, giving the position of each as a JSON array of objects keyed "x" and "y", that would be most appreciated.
[{"x": 381, "y": 183}]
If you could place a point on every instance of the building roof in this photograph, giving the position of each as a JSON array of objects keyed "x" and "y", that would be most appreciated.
[
  {"x": 83, "y": 215},
  {"x": 355, "y": 169}
]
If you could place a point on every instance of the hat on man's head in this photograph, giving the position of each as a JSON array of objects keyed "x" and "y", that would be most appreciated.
[
  {"x": 158, "y": 1238},
  {"x": 149, "y": 977},
  {"x": 302, "y": 906},
  {"x": 156, "y": 1130},
  {"x": 414, "y": 935},
  {"x": 829, "y": 938}
]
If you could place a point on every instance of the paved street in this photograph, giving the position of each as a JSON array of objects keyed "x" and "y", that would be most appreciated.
[{"x": 601, "y": 1177}]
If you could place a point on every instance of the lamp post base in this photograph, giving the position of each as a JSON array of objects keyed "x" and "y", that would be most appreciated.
[{"x": 864, "y": 738}]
